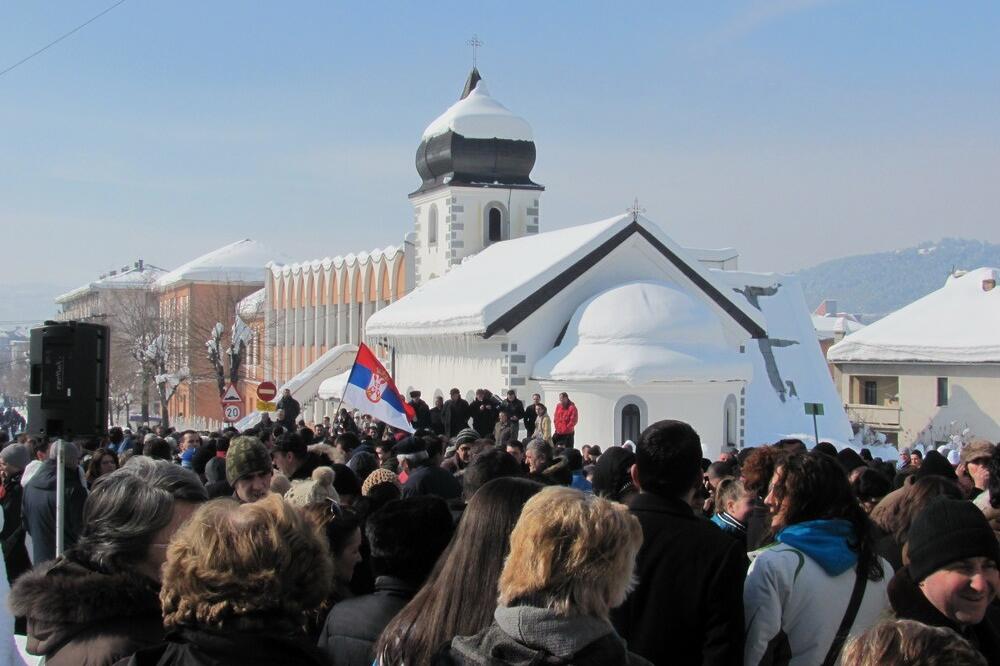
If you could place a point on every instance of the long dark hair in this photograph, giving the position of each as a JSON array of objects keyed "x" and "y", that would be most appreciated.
[
  {"x": 814, "y": 487},
  {"x": 461, "y": 593}
]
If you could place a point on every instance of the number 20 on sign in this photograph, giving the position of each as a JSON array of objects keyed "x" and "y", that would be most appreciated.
[{"x": 232, "y": 412}]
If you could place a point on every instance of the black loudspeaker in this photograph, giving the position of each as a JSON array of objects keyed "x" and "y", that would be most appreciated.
[{"x": 68, "y": 396}]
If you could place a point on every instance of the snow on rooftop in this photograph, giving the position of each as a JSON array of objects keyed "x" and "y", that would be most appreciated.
[
  {"x": 131, "y": 278},
  {"x": 958, "y": 323},
  {"x": 503, "y": 275},
  {"x": 388, "y": 252},
  {"x": 642, "y": 332},
  {"x": 479, "y": 116},
  {"x": 241, "y": 262},
  {"x": 252, "y": 306},
  {"x": 830, "y": 326},
  {"x": 788, "y": 366}
]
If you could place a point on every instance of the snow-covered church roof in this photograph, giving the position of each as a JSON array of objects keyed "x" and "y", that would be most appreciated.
[
  {"x": 788, "y": 365},
  {"x": 642, "y": 332},
  {"x": 493, "y": 290},
  {"x": 958, "y": 323},
  {"x": 242, "y": 262}
]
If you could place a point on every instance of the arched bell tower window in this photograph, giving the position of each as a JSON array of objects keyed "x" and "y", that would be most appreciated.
[
  {"x": 496, "y": 224},
  {"x": 432, "y": 225}
]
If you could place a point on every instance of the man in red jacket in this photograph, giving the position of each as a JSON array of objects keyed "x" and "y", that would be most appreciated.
[{"x": 565, "y": 422}]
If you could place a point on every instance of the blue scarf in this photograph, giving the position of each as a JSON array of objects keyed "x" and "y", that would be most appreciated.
[{"x": 825, "y": 541}]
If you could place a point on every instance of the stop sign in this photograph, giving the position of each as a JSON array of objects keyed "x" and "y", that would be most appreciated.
[{"x": 267, "y": 391}]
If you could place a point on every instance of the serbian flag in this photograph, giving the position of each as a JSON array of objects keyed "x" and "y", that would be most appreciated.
[{"x": 371, "y": 391}]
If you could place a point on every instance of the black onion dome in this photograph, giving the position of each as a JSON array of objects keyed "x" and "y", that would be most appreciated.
[{"x": 477, "y": 142}]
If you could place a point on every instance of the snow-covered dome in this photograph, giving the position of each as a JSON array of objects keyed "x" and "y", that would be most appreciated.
[
  {"x": 480, "y": 116},
  {"x": 643, "y": 332},
  {"x": 477, "y": 142}
]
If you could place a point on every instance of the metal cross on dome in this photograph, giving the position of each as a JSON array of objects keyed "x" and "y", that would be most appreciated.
[
  {"x": 635, "y": 209},
  {"x": 475, "y": 43}
]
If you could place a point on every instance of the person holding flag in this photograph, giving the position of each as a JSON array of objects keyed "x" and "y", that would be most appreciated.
[{"x": 371, "y": 391}]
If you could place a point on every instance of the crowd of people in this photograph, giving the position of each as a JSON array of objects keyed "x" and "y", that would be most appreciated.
[{"x": 487, "y": 537}]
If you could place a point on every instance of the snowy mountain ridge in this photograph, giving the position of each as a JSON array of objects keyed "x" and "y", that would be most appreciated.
[{"x": 876, "y": 284}]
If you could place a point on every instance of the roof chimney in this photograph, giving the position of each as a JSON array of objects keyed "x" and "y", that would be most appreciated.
[{"x": 139, "y": 264}]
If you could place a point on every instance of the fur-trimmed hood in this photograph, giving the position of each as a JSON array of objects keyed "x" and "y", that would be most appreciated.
[{"x": 63, "y": 600}]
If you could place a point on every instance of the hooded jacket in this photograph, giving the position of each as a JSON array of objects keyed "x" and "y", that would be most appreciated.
[
  {"x": 797, "y": 592},
  {"x": 39, "y": 509},
  {"x": 80, "y": 617},
  {"x": 524, "y": 635},
  {"x": 909, "y": 603}
]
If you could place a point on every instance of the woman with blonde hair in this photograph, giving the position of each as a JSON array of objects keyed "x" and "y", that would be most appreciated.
[
  {"x": 238, "y": 584},
  {"x": 572, "y": 559}
]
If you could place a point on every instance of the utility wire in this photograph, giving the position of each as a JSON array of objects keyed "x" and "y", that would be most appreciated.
[{"x": 56, "y": 41}]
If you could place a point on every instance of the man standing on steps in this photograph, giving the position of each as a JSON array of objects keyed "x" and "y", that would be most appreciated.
[{"x": 289, "y": 408}]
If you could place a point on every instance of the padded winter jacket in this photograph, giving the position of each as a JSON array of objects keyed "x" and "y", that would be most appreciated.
[
  {"x": 566, "y": 418},
  {"x": 794, "y": 606}
]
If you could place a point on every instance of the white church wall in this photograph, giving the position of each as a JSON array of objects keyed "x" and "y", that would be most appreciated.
[
  {"x": 702, "y": 405},
  {"x": 435, "y": 372}
]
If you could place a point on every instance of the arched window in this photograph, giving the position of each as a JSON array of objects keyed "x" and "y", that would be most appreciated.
[
  {"x": 730, "y": 422},
  {"x": 495, "y": 229},
  {"x": 432, "y": 225},
  {"x": 631, "y": 423}
]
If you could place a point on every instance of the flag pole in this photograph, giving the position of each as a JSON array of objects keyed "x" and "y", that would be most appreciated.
[{"x": 340, "y": 402}]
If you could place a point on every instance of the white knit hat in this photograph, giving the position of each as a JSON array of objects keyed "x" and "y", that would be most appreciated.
[{"x": 315, "y": 490}]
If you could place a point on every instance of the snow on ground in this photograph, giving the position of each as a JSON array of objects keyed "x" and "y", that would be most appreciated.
[
  {"x": 958, "y": 323},
  {"x": 788, "y": 366},
  {"x": 479, "y": 116}
]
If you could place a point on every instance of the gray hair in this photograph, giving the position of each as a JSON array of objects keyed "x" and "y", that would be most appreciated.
[
  {"x": 540, "y": 447},
  {"x": 127, "y": 507}
]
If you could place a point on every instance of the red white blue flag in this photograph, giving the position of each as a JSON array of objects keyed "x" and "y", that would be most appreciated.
[{"x": 371, "y": 391}]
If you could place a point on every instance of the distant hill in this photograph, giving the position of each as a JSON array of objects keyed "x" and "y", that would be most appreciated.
[{"x": 877, "y": 284}]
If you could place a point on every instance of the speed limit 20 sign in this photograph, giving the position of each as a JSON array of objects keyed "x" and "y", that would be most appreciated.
[{"x": 232, "y": 412}]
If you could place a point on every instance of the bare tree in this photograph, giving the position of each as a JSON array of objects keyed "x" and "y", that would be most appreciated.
[
  {"x": 134, "y": 318},
  {"x": 239, "y": 340},
  {"x": 158, "y": 357}
]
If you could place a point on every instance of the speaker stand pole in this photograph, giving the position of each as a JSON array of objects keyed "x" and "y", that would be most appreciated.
[{"x": 60, "y": 498}]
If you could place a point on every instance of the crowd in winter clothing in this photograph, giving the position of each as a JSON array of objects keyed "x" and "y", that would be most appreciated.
[{"x": 488, "y": 537}]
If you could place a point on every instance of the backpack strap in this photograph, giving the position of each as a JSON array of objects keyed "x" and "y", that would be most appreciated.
[{"x": 845, "y": 625}]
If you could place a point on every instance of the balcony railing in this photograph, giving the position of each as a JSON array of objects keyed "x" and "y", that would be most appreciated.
[{"x": 879, "y": 416}]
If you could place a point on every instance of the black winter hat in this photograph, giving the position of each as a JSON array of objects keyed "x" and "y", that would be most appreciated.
[
  {"x": 849, "y": 459},
  {"x": 947, "y": 531},
  {"x": 935, "y": 464}
]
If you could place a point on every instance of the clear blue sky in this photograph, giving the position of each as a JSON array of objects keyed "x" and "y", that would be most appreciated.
[{"x": 793, "y": 130}]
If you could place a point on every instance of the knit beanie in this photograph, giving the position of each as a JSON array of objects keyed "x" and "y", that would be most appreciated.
[
  {"x": 15, "y": 455},
  {"x": 380, "y": 475},
  {"x": 317, "y": 489},
  {"x": 246, "y": 456},
  {"x": 947, "y": 531}
]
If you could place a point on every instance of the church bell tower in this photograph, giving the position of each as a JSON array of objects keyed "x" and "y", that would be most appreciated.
[{"x": 475, "y": 162}]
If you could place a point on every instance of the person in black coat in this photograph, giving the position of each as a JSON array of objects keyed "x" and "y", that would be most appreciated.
[
  {"x": 406, "y": 537},
  {"x": 531, "y": 415},
  {"x": 39, "y": 504},
  {"x": 953, "y": 574},
  {"x": 688, "y": 606},
  {"x": 485, "y": 411},
  {"x": 455, "y": 414},
  {"x": 437, "y": 416},
  {"x": 289, "y": 408},
  {"x": 422, "y": 413},
  {"x": 515, "y": 411}
]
